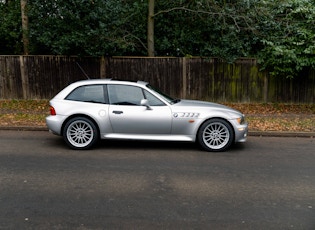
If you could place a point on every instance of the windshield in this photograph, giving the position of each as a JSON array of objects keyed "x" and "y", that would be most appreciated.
[{"x": 166, "y": 97}]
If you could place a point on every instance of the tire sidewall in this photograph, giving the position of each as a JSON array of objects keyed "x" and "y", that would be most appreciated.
[
  {"x": 205, "y": 125},
  {"x": 86, "y": 120}
]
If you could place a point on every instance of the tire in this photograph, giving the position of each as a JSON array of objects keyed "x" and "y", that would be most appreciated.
[
  {"x": 80, "y": 133},
  {"x": 215, "y": 135}
]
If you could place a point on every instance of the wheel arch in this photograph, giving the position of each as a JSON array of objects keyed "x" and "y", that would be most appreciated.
[
  {"x": 80, "y": 115},
  {"x": 212, "y": 118}
]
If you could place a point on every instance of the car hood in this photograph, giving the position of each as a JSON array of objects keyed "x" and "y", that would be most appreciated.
[{"x": 204, "y": 104}]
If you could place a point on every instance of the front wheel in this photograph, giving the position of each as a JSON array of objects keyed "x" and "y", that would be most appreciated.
[
  {"x": 80, "y": 133},
  {"x": 215, "y": 135}
]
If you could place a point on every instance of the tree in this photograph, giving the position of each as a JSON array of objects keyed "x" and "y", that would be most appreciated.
[
  {"x": 287, "y": 37},
  {"x": 150, "y": 37},
  {"x": 89, "y": 27},
  {"x": 10, "y": 28},
  {"x": 205, "y": 28},
  {"x": 281, "y": 34},
  {"x": 25, "y": 28}
]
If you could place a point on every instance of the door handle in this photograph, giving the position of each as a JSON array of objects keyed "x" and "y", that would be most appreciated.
[{"x": 117, "y": 112}]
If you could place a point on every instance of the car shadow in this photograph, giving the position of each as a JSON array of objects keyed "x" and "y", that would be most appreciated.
[
  {"x": 136, "y": 144},
  {"x": 58, "y": 142},
  {"x": 160, "y": 145}
]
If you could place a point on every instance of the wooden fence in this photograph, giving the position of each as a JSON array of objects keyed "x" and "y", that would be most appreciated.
[{"x": 41, "y": 77}]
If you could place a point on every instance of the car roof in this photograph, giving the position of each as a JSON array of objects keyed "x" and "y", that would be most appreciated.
[
  {"x": 63, "y": 93},
  {"x": 107, "y": 80}
]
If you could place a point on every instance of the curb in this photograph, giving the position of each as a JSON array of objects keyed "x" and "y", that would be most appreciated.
[
  {"x": 281, "y": 134},
  {"x": 24, "y": 128},
  {"x": 250, "y": 133}
]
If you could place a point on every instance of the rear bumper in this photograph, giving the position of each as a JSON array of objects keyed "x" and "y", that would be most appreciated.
[{"x": 54, "y": 124}]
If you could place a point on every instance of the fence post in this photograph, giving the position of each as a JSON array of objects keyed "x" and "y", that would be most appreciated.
[
  {"x": 184, "y": 77},
  {"x": 102, "y": 67},
  {"x": 265, "y": 87},
  {"x": 24, "y": 78}
]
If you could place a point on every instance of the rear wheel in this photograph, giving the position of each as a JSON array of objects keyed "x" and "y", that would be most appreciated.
[
  {"x": 215, "y": 135},
  {"x": 80, "y": 133}
]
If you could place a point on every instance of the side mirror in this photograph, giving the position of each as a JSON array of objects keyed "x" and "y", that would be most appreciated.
[{"x": 145, "y": 102}]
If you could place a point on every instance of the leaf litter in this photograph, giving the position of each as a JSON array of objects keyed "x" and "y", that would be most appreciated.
[{"x": 260, "y": 116}]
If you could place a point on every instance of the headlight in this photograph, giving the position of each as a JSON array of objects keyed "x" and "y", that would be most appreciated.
[{"x": 241, "y": 120}]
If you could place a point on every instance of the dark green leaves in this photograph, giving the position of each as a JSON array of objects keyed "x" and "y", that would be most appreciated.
[{"x": 280, "y": 33}]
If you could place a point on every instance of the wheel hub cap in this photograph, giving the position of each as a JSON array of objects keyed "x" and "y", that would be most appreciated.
[
  {"x": 80, "y": 134},
  {"x": 216, "y": 135}
]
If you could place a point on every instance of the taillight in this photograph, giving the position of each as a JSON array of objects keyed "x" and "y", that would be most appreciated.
[{"x": 52, "y": 111}]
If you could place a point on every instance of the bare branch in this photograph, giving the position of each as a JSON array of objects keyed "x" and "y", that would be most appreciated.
[{"x": 234, "y": 18}]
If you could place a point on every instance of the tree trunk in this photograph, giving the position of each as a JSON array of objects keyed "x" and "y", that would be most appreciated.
[
  {"x": 25, "y": 28},
  {"x": 151, "y": 29}
]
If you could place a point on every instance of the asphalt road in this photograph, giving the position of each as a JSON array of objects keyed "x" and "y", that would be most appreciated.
[{"x": 266, "y": 183}]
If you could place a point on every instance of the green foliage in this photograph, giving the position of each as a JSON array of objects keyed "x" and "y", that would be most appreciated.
[
  {"x": 280, "y": 33},
  {"x": 10, "y": 28},
  {"x": 288, "y": 38},
  {"x": 86, "y": 27},
  {"x": 203, "y": 28}
]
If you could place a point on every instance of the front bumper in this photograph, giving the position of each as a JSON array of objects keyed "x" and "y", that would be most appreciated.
[{"x": 241, "y": 133}]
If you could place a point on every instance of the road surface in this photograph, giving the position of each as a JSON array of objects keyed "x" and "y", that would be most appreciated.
[{"x": 266, "y": 183}]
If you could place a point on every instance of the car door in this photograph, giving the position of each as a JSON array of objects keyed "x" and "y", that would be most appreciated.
[{"x": 128, "y": 116}]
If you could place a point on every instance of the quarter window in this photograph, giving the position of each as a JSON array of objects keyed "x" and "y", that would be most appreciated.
[{"x": 88, "y": 93}]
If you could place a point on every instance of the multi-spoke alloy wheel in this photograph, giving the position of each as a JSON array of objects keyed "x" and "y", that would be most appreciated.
[
  {"x": 80, "y": 133},
  {"x": 215, "y": 135}
]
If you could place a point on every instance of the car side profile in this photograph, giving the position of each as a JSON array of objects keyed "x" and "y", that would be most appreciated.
[{"x": 89, "y": 110}]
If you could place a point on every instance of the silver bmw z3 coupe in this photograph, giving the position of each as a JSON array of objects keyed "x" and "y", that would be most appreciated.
[{"x": 89, "y": 110}]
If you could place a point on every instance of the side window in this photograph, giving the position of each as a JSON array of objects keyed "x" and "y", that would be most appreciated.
[
  {"x": 153, "y": 100},
  {"x": 88, "y": 93},
  {"x": 124, "y": 95}
]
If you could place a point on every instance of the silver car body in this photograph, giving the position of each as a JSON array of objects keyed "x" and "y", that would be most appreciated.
[{"x": 168, "y": 122}]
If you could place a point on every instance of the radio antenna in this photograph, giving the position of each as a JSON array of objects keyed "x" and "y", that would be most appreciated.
[{"x": 87, "y": 76}]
